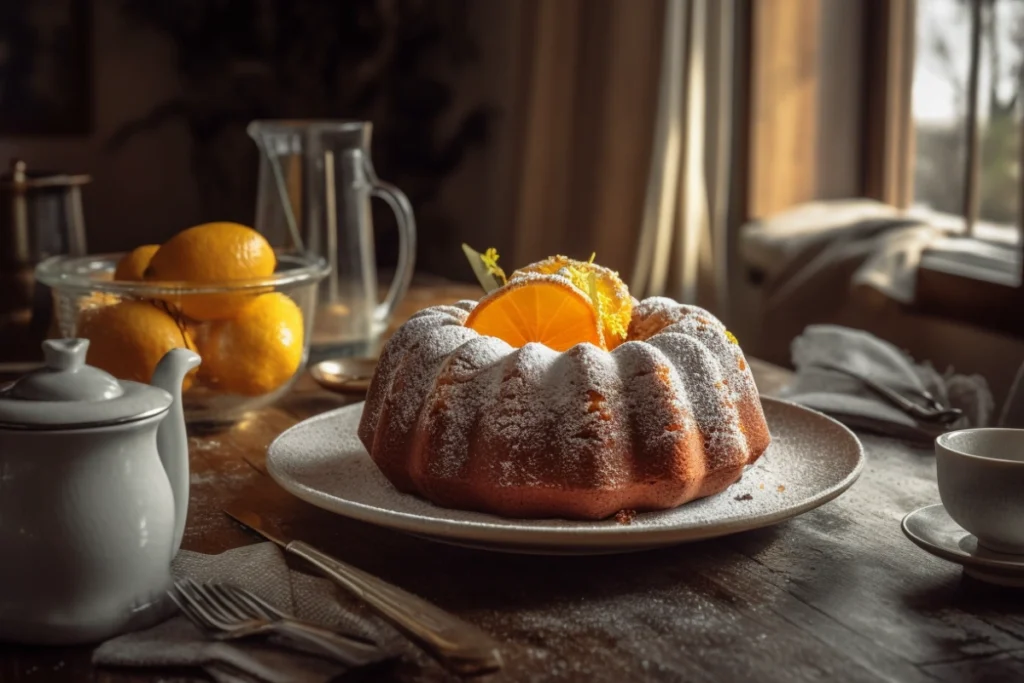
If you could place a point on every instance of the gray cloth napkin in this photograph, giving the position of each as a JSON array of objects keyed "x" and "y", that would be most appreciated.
[
  {"x": 848, "y": 400},
  {"x": 260, "y": 568}
]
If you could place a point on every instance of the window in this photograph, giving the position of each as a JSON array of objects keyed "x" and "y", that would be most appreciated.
[
  {"x": 968, "y": 65},
  {"x": 965, "y": 156}
]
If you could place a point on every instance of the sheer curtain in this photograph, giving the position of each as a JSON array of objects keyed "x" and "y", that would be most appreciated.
[{"x": 626, "y": 137}]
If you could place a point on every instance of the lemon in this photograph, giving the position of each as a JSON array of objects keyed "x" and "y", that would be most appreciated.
[
  {"x": 129, "y": 338},
  {"x": 132, "y": 265},
  {"x": 257, "y": 351},
  {"x": 212, "y": 253}
]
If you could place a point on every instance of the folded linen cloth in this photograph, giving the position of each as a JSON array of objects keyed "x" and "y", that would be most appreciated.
[
  {"x": 770, "y": 244},
  {"x": 260, "y": 568},
  {"x": 854, "y": 404},
  {"x": 878, "y": 245}
]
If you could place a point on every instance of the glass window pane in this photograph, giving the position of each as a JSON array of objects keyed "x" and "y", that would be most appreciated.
[
  {"x": 939, "y": 101},
  {"x": 1002, "y": 56},
  {"x": 940, "y": 89}
]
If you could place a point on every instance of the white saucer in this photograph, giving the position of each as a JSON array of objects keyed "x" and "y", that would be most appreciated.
[
  {"x": 812, "y": 459},
  {"x": 933, "y": 530}
]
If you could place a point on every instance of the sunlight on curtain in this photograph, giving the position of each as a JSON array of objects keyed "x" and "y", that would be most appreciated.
[
  {"x": 625, "y": 132},
  {"x": 682, "y": 242}
]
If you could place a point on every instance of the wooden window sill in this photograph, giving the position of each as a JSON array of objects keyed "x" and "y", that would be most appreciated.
[{"x": 972, "y": 281}]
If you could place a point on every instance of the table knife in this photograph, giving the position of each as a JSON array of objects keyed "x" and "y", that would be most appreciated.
[{"x": 459, "y": 646}]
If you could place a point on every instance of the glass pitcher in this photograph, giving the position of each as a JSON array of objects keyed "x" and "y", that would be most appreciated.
[{"x": 315, "y": 184}]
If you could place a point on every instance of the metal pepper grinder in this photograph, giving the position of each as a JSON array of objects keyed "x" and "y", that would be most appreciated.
[{"x": 40, "y": 216}]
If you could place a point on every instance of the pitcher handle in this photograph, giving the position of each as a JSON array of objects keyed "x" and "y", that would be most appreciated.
[{"x": 400, "y": 205}]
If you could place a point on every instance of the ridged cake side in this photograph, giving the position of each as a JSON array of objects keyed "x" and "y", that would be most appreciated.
[
  {"x": 405, "y": 372},
  {"x": 720, "y": 387},
  {"x": 469, "y": 422}
]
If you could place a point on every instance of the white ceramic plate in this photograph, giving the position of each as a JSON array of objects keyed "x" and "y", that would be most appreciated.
[{"x": 812, "y": 460}]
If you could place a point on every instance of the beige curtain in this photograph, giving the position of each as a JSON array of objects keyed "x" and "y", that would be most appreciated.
[
  {"x": 625, "y": 127},
  {"x": 590, "y": 91}
]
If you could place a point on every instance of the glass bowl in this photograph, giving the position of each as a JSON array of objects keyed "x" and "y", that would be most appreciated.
[{"x": 83, "y": 284}]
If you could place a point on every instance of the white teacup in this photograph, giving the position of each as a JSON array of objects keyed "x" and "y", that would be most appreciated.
[{"x": 981, "y": 483}]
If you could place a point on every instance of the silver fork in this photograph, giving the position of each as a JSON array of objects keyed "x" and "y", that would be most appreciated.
[{"x": 228, "y": 613}]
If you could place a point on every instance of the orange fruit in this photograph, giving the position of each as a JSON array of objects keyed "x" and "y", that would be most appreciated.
[
  {"x": 610, "y": 294},
  {"x": 211, "y": 254},
  {"x": 547, "y": 309},
  {"x": 132, "y": 265},
  {"x": 129, "y": 338},
  {"x": 257, "y": 351}
]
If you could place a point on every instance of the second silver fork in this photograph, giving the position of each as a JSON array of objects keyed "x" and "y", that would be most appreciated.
[{"x": 230, "y": 612}]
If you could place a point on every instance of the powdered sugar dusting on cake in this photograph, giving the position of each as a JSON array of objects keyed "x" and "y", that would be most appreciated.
[
  {"x": 394, "y": 352},
  {"x": 466, "y": 305},
  {"x": 519, "y": 419},
  {"x": 583, "y": 390},
  {"x": 415, "y": 374},
  {"x": 711, "y": 402},
  {"x": 586, "y": 419},
  {"x": 469, "y": 380},
  {"x": 656, "y": 402},
  {"x": 733, "y": 380}
]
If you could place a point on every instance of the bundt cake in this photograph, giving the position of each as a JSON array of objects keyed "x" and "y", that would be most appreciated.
[{"x": 466, "y": 420}]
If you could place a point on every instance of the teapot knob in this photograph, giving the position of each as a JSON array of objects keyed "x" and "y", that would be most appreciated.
[
  {"x": 65, "y": 354},
  {"x": 66, "y": 377}
]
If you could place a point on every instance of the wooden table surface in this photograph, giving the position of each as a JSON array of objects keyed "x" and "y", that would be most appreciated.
[{"x": 837, "y": 592}]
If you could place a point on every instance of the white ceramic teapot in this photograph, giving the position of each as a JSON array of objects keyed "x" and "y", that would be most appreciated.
[{"x": 93, "y": 497}]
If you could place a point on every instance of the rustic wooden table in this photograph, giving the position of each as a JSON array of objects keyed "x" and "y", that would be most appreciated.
[{"x": 837, "y": 592}]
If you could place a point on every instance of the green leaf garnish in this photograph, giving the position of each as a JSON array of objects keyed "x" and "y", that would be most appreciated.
[{"x": 485, "y": 267}]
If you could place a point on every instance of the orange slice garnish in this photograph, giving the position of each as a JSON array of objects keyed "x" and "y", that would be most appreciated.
[
  {"x": 546, "y": 309},
  {"x": 609, "y": 294}
]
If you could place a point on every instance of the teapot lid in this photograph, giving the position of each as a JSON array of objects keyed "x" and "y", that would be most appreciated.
[{"x": 68, "y": 394}]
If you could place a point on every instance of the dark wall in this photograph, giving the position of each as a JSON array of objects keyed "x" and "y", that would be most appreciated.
[{"x": 167, "y": 147}]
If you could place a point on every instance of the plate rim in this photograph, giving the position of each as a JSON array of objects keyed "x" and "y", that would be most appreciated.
[{"x": 598, "y": 535}]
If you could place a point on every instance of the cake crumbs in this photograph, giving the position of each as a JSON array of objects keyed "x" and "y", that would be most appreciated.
[
  {"x": 745, "y": 496},
  {"x": 781, "y": 488},
  {"x": 761, "y": 486},
  {"x": 625, "y": 516}
]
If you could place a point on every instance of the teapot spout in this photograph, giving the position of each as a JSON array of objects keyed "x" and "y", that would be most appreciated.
[{"x": 171, "y": 440}]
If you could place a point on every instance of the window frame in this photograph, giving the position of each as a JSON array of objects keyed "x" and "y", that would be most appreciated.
[
  {"x": 786, "y": 80},
  {"x": 974, "y": 290},
  {"x": 889, "y": 131}
]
